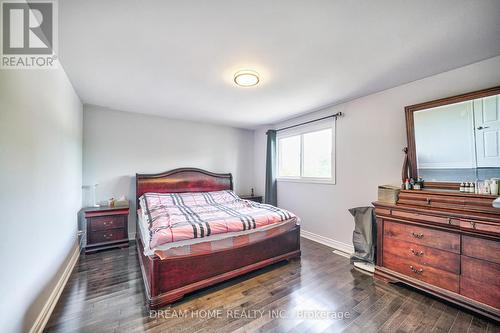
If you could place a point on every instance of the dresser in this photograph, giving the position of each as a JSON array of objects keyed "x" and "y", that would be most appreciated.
[
  {"x": 444, "y": 242},
  {"x": 106, "y": 227}
]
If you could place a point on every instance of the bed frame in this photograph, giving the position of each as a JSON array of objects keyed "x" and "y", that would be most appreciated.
[{"x": 170, "y": 279}]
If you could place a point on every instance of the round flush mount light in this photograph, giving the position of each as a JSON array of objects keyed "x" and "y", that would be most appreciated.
[{"x": 246, "y": 78}]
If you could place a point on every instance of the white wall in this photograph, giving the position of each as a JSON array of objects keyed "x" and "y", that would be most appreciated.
[
  {"x": 40, "y": 188},
  {"x": 117, "y": 145},
  {"x": 369, "y": 141}
]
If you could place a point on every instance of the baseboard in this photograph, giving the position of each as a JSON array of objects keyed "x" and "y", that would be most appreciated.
[
  {"x": 49, "y": 306},
  {"x": 347, "y": 248}
]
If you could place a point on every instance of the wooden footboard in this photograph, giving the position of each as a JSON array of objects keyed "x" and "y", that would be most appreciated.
[{"x": 170, "y": 279}]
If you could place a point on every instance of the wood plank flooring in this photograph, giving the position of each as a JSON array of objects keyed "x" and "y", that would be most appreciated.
[{"x": 321, "y": 292}]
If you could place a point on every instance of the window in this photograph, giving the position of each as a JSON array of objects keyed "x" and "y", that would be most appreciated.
[{"x": 307, "y": 154}]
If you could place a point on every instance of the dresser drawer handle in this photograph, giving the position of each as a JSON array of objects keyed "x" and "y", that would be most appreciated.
[
  {"x": 449, "y": 221},
  {"x": 417, "y": 235},
  {"x": 473, "y": 225},
  {"x": 107, "y": 236},
  {"x": 106, "y": 223},
  {"x": 416, "y": 271},
  {"x": 428, "y": 201},
  {"x": 417, "y": 253}
]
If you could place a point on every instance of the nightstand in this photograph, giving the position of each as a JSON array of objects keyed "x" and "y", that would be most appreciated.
[
  {"x": 256, "y": 198},
  {"x": 107, "y": 227}
]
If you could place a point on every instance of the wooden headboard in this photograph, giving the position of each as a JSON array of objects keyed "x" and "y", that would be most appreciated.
[{"x": 182, "y": 180}]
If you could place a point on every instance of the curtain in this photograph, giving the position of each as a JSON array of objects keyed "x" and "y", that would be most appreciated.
[{"x": 271, "y": 185}]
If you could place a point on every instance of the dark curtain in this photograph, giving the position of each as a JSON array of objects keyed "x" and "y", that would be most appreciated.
[{"x": 271, "y": 186}]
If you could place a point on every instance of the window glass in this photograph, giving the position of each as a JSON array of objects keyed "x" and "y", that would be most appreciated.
[
  {"x": 317, "y": 154},
  {"x": 289, "y": 156}
]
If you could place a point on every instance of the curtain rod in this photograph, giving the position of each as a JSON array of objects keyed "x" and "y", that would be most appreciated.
[{"x": 338, "y": 114}]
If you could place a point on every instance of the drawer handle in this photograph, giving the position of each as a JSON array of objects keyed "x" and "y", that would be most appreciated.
[
  {"x": 417, "y": 253},
  {"x": 417, "y": 235},
  {"x": 473, "y": 225},
  {"x": 449, "y": 220},
  {"x": 416, "y": 271},
  {"x": 107, "y": 236},
  {"x": 428, "y": 201},
  {"x": 106, "y": 223}
]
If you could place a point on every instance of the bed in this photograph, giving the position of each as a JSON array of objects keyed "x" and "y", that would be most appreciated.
[{"x": 182, "y": 266}]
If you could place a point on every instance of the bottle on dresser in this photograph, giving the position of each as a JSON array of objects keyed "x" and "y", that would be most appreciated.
[
  {"x": 494, "y": 186},
  {"x": 486, "y": 187}
]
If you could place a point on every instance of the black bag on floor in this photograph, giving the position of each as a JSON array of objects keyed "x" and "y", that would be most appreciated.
[{"x": 364, "y": 235}]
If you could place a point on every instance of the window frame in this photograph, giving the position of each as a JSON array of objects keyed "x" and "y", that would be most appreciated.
[{"x": 301, "y": 131}]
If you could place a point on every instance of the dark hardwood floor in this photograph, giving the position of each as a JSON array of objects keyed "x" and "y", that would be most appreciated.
[{"x": 105, "y": 293}]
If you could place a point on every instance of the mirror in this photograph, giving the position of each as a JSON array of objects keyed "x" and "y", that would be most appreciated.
[{"x": 456, "y": 139}]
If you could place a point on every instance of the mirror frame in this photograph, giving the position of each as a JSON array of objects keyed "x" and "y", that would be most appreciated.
[{"x": 410, "y": 130}]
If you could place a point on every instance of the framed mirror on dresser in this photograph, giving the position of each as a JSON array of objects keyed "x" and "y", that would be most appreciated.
[{"x": 444, "y": 238}]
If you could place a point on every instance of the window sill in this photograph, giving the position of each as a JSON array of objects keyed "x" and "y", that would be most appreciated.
[{"x": 305, "y": 180}]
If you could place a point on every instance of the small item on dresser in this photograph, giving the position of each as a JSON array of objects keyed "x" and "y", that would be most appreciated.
[
  {"x": 412, "y": 183},
  {"x": 486, "y": 187},
  {"x": 252, "y": 192},
  {"x": 419, "y": 184},
  {"x": 407, "y": 184},
  {"x": 111, "y": 202},
  {"x": 493, "y": 186},
  {"x": 122, "y": 201},
  {"x": 388, "y": 193},
  {"x": 462, "y": 187},
  {"x": 481, "y": 187},
  {"x": 472, "y": 187},
  {"x": 466, "y": 187}
]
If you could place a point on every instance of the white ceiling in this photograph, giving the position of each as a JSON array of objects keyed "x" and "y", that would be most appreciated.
[{"x": 177, "y": 58}]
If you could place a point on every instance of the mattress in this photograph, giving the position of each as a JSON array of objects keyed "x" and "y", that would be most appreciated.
[
  {"x": 174, "y": 219},
  {"x": 212, "y": 243}
]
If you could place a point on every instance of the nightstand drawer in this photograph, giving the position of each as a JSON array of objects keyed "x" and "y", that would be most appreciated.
[
  {"x": 107, "y": 236},
  {"x": 254, "y": 198},
  {"x": 107, "y": 223}
]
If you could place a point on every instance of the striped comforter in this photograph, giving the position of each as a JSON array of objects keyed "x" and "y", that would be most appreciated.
[{"x": 174, "y": 217}]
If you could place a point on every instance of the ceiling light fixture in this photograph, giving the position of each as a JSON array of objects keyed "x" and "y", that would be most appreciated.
[{"x": 246, "y": 78}]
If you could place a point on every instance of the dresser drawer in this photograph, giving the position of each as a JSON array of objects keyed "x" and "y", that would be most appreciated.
[
  {"x": 426, "y": 199},
  {"x": 423, "y": 255},
  {"x": 480, "y": 281},
  {"x": 107, "y": 235},
  {"x": 438, "y": 239},
  {"x": 481, "y": 248},
  {"x": 479, "y": 226},
  {"x": 107, "y": 222},
  {"x": 424, "y": 217},
  {"x": 428, "y": 274}
]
